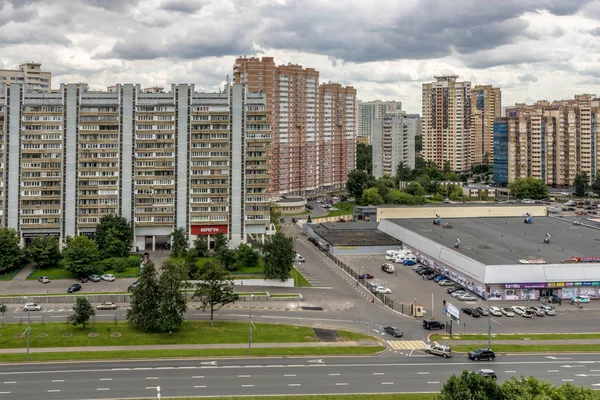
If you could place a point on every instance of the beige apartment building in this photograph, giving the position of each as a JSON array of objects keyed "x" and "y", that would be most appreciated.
[
  {"x": 485, "y": 108},
  {"x": 30, "y": 75},
  {"x": 160, "y": 159},
  {"x": 446, "y": 120},
  {"x": 367, "y": 111},
  {"x": 293, "y": 96}
]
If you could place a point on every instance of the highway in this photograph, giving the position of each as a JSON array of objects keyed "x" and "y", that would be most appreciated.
[{"x": 275, "y": 376}]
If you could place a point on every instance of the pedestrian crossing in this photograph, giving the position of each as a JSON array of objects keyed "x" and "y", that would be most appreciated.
[{"x": 406, "y": 344}]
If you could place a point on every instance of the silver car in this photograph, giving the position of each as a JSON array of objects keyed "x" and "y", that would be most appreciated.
[{"x": 548, "y": 310}]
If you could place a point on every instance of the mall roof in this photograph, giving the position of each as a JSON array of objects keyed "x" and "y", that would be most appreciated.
[
  {"x": 354, "y": 234},
  {"x": 506, "y": 240}
]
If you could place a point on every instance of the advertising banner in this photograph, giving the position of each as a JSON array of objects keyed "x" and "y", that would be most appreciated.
[{"x": 208, "y": 229}]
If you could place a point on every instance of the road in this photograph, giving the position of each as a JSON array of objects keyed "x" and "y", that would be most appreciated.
[{"x": 275, "y": 376}]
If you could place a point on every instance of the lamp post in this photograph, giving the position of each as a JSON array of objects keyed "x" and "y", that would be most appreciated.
[
  {"x": 250, "y": 326},
  {"x": 28, "y": 325},
  {"x": 415, "y": 308},
  {"x": 360, "y": 275},
  {"x": 296, "y": 276},
  {"x": 489, "y": 323}
]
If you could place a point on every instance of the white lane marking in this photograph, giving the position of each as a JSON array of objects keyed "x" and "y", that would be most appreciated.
[
  {"x": 142, "y": 369},
  {"x": 151, "y": 387},
  {"x": 247, "y": 385},
  {"x": 192, "y": 367},
  {"x": 152, "y": 377},
  {"x": 120, "y": 369},
  {"x": 387, "y": 383},
  {"x": 58, "y": 316},
  {"x": 244, "y": 376},
  {"x": 334, "y": 374},
  {"x": 57, "y": 380},
  {"x": 103, "y": 389},
  {"x": 4, "y": 392},
  {"x": 198, "y": 377},
  {"x": 568, "y": 380},
  {"x": 165, "y": 367},
  {"x": 434, "y": 382},
  {"x": 422, "y": 373},
  {"x": 552, "y": 370},
  {"x": 510, "y": 372},
  {"x": 106, "y": 379},
  {"x": 199, "y": 387},
  {"x": 294, "y": 384},
  {"x": 6, "y": 383},
  {"x": 53, "y": 390},
  {"x": 378, "y": 373},
  {"x": 341, "y": 384},
  {"x": 289, "y": 375}
]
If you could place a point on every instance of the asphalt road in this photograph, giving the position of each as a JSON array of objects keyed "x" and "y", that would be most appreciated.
[{"x": 276, "y": 376}]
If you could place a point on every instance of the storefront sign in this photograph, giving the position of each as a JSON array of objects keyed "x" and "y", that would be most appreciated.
[
  {"x": 542, "y": 285},
  {"x": 208, "y": 229},
  {"x": 45, "y": 234}
]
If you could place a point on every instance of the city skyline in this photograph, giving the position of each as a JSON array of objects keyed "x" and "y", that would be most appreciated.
[{"x": 537, "y": 50}]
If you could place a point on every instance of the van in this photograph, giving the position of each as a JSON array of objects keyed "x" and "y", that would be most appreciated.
[{"x": 389, "y": 268}]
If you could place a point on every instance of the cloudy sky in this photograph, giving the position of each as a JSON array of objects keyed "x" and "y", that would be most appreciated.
[{"x": 532, "y": 49}]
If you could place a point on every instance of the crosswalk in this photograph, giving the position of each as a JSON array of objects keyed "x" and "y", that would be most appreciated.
[{"x": 406, "y": 344}]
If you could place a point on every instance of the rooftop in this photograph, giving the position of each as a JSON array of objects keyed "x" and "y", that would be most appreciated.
[
  {"x": 354, "y": 234},
  {"x": 506, "y": 240}
]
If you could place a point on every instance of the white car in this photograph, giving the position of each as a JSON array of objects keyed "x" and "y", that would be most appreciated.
[
  {"x": 108, "y": 277},
  {"x": 446, "y": 282},
  {"x": 519, "y": 310},
  {"x": 466, "y": 297},
  {"x": 508, "y": 312},
  {"x": 299, "y": 258},
  {"x": 495, "y": 311},
  {"x": 548, "y": 310},
  {"x": 32, "y": 307},
  {"x": 390, "y": 257},
  {"x": 383, "y": 290},
  {"x": 458, "y": 293}
]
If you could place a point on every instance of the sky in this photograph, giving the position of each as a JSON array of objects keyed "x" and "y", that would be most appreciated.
[{"x": 531, "y": 49}]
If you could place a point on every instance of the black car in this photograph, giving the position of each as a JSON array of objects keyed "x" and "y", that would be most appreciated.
[
  {"x": 76, "y": 287},
  {"x": 392, "y": 330},
  {"x": 471, "y": 311},
  {"x": 282, "y": 220},
  {"x": 432, "y": 324},
  {"x": 133, "y": 286},
  {"x": 312, "y": 239},
  {"x": 482, "y": 354},
  {"x": 455, "y": 288},
  {"x": 426, "y": 271},
  {"x": 488, "y": 373},
  {"x": 309, "y": 207},
  {"x": 294, "y": 220}
]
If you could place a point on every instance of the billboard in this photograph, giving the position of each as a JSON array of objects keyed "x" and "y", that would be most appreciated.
[
  {"x": 208, "y": 229},
  {"x": 453, "y": 311}
]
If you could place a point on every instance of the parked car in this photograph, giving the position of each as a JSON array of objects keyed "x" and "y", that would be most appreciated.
[
  {"x": 294, "y": 220},
  {"x": 382, "y": 290},
  {"x": 445, "y": 282},
  {"x": 108, "y": 277},
  {"x": 455, "y": 289},
  {"x": 433, "y": 324},
  {"x": 483, "y": 311},
  {"x": 439, "y": 278},
  {"x": 76, "y": 287},
  {"x": 580, "y": 299},
  {"x": 488, "y": 373},
  {"x": 299, "y": 258},
  {"x": 82, "y": 279},
  {"x": 133, "y": 286},
  {"x": 308, "y": 206},
  {"x": 282, "y": 220},
  {"x": 389, "y": 268},
  {"x": 458, "y": 293},
  {"x": 107, "y": 305},
  {"x": 32, "y": 307},
  {"x": 471, "y": 311},
  {"x": 425, "y": 271},
  {"x": 367, "y": 276},
  {"x": 466, "y": 297},
  {"x": 94, "y": 278},
  {"x": 548, "y": 310},
  {"x": 482, "y": 354},
  {"x": 508, "y": 312},
  {"x": 312, "y": 240},
  {"x": 392, "y": 330},
  {"x": 44, "y": 279},
  {"x": 537, "y": 310},
  {"x": 519, "y": 310},
  {"x": 495, "y": 311},
  {"x": 439, "y": 350}
]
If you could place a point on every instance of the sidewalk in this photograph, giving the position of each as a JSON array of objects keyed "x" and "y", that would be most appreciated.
[
  {"x": 361, "y": 343},
  {"x": 520, "y": 342}
]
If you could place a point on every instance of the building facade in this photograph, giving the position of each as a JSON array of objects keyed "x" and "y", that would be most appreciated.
[
  {"x": 485, "y": 108},
  {"x": 29, "y": 74},
  {"x": 446, "y": 120},
  {"x": 161, "y": 160},
  {"x": 393, "y": 143},
  {"x": 371, "y": 110}
]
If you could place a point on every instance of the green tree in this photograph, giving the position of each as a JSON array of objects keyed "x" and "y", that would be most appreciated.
[
  {"x": 124, "y": 233},
  {"x": 358, "y": 181},
  {"x": 383, "y": 185},
  {"x": 530, "y": 188},
  {"x": 82, "y": 312},
  {"x": 227, "y": 259},
  {"x": 364, "y": 157},
  {"x": 447, "y": 167},
  {"x": 418, "y": 143},
  {"x": 371, "y": 197},
  {"x": 113, "y": 245},
  {"x": 180, "y": 242},
  {"x": 221, "y": 242},
  {"x": 534, "y": 389},
  {"x": 582, "y": 184},
  {"x": 278, "y": 256},
  {"x": 403, "y": 173},
  {"x": 455, "y": 192},
  {"x": 471, "y": 386},
  {"x": 44, "y": 251},
  {"x": 415, "y": 189},
  {"x": 81, "y": 256},
  {"x": 246, "y": 255},
  {"x": 215, "y": 289},
  {"x": 145, "y": 301},
  {"x": 201, "y": 246},
  {"x": 190, "y": 263},
  {"x": 399, "y": 197},
  {"x": 596, "y": 185},
  {"x": 275, "y": 214},
  {"x": 10, "y": 249},
  {"x": 173, "y": 303}
]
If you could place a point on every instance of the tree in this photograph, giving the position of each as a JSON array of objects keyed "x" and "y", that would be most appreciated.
[
  {"x": 532, "y": 388},
  {"x": 364, "y": 157},
  {"x": 596, "y": 185},
  {"x": 221, "y": 242},
  {"x": 358, "y": 181},
  {"x": 415, "y": 189},
  {"x": 113, "y": 246},
  {"x": 455, "y": 192},
  {"x": 399, "y": 197},
  {"x": 418, "y": 143},
  {"x": 278, "y": 256},
  {"x": 403, "y": 173},
  {"x": 10, "y": 249},
  {"x": 215, "y": 289},
  {"x": 530, "y": 188},
  {"x": 190, "y": 264},
  {"x": 145, "y": 300},
  {"x": 582, "y": 184},
  {"x": 447, "y": 167},
  {"x": 470, "y": 386},
  {"x": 383, "y": 186},
  {"x": 180, "y": 242},
  {"x": 123, "y": 232},
  {"x": 81, "y": 256},
  {"x": 201, "y": 246},
  {"x": 173, "y": 303},
  {"x": 371, "y": 197},
  {"x": 44, "y": 251},
  {"x": 82, "y": 312},
  {"x": 246, "y": 255},
  {"x": 227, "y": 259}
]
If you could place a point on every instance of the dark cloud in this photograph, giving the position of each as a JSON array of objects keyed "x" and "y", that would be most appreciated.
[
  {"x": 111, "y": 5},
  {"x": 507, "y": 56},
  {"x": 527, "y": 78},
  {"x": 595, "y": 31},
  {"x": 10, "y": 12},
  {"x": 183, "y": 6}
]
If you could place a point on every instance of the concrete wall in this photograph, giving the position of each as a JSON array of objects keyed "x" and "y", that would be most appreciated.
[
  {"x": 454, "y": 211},
  {"x": 359, "y": 250},
  {"x": 348, "y": 217}
]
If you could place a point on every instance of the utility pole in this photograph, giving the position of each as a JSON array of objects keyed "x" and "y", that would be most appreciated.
[
  {"x": 489, "y": 324},
  {"x": 28, "y": 326},
  {"x": 250, "y": 326}
]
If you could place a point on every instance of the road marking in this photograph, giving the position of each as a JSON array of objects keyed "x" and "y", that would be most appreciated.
[
  {"x": 142, "y": 369},
  {"x": 289, "y": 375},
  {"x": 378, "y": 373},
  {"x": 103, "y": 389},
  {"x": 198, "y": 377},
  {"x": 120, "y": 369},
  {"x": 334, "y": 374},
  {"x": 568, "y": 380},
  {"x": 106, "y": 379},
  {"x": 165, "y": 367},
  {"x": 510, "y": 372},
  {"x": 244, "y": 376},
  {"x": 57, "y": 380},
  {"x": 387, "y": 383},
  {"x": 247, "y": 385},
  {"x": 58, "y": 316},
  {"x": 552, "y": 370},
  {"x": 434, "y": 382},
  {"x": 6, "y": 383},
  {"x": 53, "y": 390},
  {"x": 294, "y": 384},
  {"x": 407, "y": 344},
  {"x": 422, "y": 373},
  {"x": 199, "y": 387},
  {"x": 152, "y": 377},
  {"x": 341, "y": 384},
  {"x": 192, "y": 367},
  {"x": 4, "y": 392}
]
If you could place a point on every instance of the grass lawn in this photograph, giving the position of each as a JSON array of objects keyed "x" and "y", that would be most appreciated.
[
  {"x": 299, "y": 279},
  {"x": 532, "y": 336},
  {"x": 350, "y": 336},
  {"x": 52, "y": 273},
  {"x": 342, "y": 209},
  {"x": 394, "y": 396},
  {"x": 285, "y": 295},
  {"x": 140, "y": 354},
  {"x": 191, "y": 332},
  {"x": 534, "y": 348},
  {"x": 133, "y": 272}
]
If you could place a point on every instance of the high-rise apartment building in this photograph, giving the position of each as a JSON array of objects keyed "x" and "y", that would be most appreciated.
[
  {"x": 485, "y": 108},
  {"x": 371, "y": 110},
  {"x": 337, "y": 146},
  {"x": 161, "y": 160},
  {"x": 446, "y": 122},
  {"x": 393, "y": 143},
  {"x": 293, "y": 94},
  {"x": 552, "y": 141},
  {"x": 30, "y": 75}
]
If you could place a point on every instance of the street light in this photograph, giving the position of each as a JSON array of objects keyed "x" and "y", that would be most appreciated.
[
  {"x": 250, "y": 326},
  {"x": 28, "y": 325}
]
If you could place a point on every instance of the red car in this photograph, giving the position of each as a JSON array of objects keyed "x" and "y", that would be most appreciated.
[{"x": 367, "y": 276}]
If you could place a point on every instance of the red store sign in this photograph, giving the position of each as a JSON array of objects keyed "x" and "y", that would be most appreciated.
[{"x": 208, "y": 229}]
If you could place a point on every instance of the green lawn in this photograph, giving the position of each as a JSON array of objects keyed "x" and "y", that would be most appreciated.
[
  {"x": 299, "y": 279},
  {"x": 394, "y": 396},
  {"x": 57, "y": 273},
  {"x": 7, "y": 276},
  {"x": 192, "y": 332},
  {"x": 531, "y": 336},
  {"x": 342, "y": 209},
  {"x": 533, "y": 348},
  {"x": 140, "y": 354},
  {"x": 350, "y": 336}
]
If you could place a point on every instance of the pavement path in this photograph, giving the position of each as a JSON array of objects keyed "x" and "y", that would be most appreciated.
[{"x": 524, "y": 342}]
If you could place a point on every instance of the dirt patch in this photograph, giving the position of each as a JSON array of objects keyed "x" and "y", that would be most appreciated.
[
  {"x": 93, "y": 335},
  {"x": 116, "y": 335},
  {"x": 42, "y": 335},
  {"x": 67, "y": 335},
  {"x": 18, "y": 336},
  {"x": 326, "y": 335}
]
